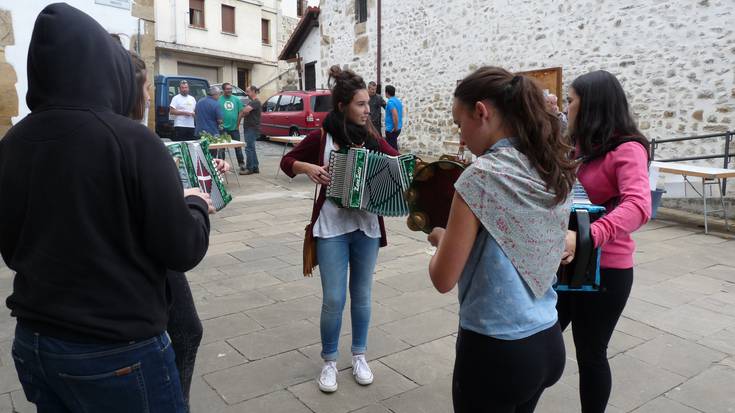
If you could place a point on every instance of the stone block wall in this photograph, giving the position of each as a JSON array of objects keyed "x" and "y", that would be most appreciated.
[
  {"x": 8, "y": 94},
  {"x": 673, "y": 57}
]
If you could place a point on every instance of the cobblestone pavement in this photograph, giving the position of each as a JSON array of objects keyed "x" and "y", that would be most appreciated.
[{"x": 673, "y": 351}]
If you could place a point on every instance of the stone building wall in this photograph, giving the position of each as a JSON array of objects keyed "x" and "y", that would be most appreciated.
[
  {"x": 289, "y": 79},
  {"x": 8, "y": 76},
  {"x": 674, "y": 57}
]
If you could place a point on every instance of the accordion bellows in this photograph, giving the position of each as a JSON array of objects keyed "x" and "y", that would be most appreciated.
[
  {"x": 370, "y": 181},
  {"x": 196, "y": 170}
]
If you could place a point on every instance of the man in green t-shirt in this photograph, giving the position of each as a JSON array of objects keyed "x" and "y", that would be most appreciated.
[{"x": 232, "y": 115}]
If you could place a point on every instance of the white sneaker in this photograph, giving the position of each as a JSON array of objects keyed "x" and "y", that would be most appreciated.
[
  {"x": 328, "y": 378},
  {"x": 361, "y": 370}
]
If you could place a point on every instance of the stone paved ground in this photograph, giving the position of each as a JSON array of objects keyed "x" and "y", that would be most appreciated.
[{"x": 673, "y": 351}]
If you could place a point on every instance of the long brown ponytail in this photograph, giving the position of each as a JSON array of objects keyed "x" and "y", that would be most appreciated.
[{"x": 521, "y": 103}]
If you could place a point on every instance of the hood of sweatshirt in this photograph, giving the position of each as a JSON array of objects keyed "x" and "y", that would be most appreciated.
[{"x": 73, "y": 62}]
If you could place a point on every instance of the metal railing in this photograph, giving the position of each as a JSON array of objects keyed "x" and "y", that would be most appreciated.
[{"x": 725, "y": 155}]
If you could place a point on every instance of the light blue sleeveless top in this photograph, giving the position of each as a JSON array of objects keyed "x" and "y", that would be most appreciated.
[{"x": 494, "y": 300}]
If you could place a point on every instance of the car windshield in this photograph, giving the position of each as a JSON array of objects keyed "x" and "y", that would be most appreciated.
[{"x": 321, "y": 103}]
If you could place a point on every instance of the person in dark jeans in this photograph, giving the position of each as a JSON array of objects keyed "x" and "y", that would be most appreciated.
[
  {"x": 614, "y": 173},
  {"x": 90, "y": 241},
  {"x": 377, "y": 103},
  {"x": 251, "y": 129},
  {"x": 393, "y": 117},
  {"x": 232, "y": 115}
]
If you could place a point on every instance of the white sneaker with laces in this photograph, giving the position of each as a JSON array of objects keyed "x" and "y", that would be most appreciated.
[
  {"x": 361, "y": 370},
  {"x": 328, "y": 378}
]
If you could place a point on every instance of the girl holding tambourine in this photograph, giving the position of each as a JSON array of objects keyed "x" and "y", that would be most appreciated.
[
  {"x": 614, "y": 173},
  {"x": 502, "y": 243}
]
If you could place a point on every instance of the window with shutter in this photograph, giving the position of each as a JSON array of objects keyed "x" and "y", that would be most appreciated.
[
  {"x": 265, "y": 26},
  {"x": 228, "y": 19},
  {"x": 196, "y": 13}
]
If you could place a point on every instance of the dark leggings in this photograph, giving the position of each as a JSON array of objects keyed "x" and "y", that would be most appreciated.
[
  {"x": 184, "y": 328},
  {"x": 505, "y": 376},
  {"x": 593, "y": 317}
]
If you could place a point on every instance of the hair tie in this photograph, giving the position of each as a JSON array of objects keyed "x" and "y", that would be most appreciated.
[{"x": 510, "y": 88}]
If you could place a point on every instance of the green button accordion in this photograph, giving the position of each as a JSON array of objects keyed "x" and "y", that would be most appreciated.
[
  {"x": 370, "y": 181},
  {"x": 196, "y": 170}
]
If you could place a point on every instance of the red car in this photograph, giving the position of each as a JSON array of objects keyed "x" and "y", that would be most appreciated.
[{"x": 295, "y": 112}]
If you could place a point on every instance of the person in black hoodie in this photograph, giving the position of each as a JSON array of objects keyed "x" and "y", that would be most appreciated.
[{"x": 92, "y": 214}]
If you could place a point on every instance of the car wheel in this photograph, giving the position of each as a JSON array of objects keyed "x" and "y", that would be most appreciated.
[{"x": 294, "y": 132}]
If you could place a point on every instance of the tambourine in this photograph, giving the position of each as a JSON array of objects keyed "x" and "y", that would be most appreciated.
[
  {"x": 430, "y": 195},
  {"x": 583, "y": 273}
]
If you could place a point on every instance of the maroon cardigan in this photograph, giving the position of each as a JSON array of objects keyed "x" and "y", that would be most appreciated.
[{"x": 311, "y": 150}]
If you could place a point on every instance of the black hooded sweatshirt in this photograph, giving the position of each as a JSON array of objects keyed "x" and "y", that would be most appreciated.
[{"x": 92, "y": 211}]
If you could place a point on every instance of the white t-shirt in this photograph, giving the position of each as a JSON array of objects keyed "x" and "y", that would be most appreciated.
[
  {"x": 334, "y": 221},
  {"x": 186, "y": 103}
]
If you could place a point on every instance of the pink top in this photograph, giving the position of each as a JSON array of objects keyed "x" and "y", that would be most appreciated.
[{"x": 619, "y": 182}]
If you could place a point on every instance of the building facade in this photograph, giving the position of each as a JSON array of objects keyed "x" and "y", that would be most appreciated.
[
  {"x": 234, "y": 41},
  {"x": 132, "y": 20},
  {"x": 674, "y": 57},
  {"x": 303, "y": 51}
]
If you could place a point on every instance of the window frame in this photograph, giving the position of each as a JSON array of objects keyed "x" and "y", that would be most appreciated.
[
  {"x": 297, "y": 100},
  {"x": 234, "y": 24},
  {"x": 284, "y": 106},
  {"x": 361, "y": 11},
  {"x": 265, "y": 32},
  {"x": 275, "y": 104},
  {"x": 202, "y": 11}
]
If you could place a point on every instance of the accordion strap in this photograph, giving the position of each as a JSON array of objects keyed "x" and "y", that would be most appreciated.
[{"x": 584, "y": 248}]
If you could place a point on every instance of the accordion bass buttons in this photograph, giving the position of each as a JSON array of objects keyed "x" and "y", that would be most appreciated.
[{"x": 418, "y": 221}]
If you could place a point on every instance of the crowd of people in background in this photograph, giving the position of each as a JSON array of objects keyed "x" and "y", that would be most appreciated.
[{"x": 220, "y": 112}]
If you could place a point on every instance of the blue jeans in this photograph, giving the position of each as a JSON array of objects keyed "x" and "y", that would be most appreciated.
[
  {"x": 334, "y": 254},
  {"x": 60, "y": 376},
  {"x": 251, "y": 135}
]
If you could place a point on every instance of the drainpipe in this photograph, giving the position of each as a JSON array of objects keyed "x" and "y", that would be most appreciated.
[
  {"x": 173, "y": 16},
  {"x": 379, "y": 57}
]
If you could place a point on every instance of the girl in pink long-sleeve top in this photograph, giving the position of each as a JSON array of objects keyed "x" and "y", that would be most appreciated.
[{"x": 614, "y": 172}]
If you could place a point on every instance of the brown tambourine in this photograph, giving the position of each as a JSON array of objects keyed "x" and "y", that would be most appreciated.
[{"x": 430, "y": 195}]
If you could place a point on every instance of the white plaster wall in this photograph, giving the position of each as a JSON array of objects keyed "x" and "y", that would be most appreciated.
[
  {"x": 24, "y": 13},
  {"x": 172, "y": 25},
  {"x": 674, "y": 57},
  {"x": 311, "y": 51}
]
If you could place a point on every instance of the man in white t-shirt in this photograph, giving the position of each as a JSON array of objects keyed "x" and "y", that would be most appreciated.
[{"x": 182, "y": 107}]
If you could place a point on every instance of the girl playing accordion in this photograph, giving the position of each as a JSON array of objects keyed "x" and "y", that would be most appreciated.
[{"x": 344, "y": 237}]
